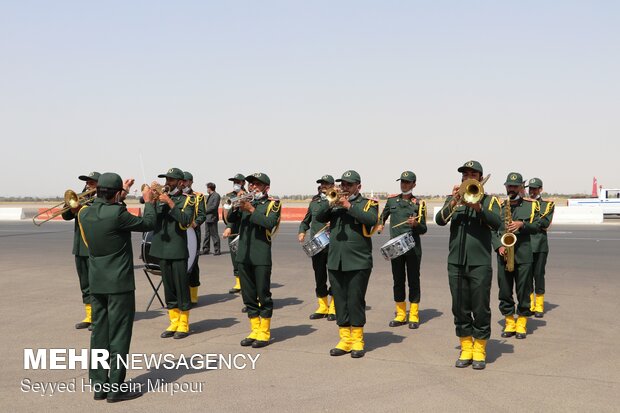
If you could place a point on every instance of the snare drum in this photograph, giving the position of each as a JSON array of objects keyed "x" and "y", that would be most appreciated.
[
  {"x": 317, "y": 244},
  {"x": 397, "y": 246},
  {"x": 234, "y": 244},
  {"x": 152, "y": 263}
]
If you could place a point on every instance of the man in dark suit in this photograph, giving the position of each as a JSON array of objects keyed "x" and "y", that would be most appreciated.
[
  {"x": 213, "y": 203},
  {"x": 106, "y": 228}
]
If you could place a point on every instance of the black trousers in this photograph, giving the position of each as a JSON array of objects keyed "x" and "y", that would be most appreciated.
[
  {"x": 211, "y": 234},
  {"x": 406, "y": 267},
  {"x": 540, "y": 262},
  {"x": 113, "y": 316},
  {"x": 233, "y": 257},
  {"x": 521, "y": 281},
  {"x": 81, "y": 265},
  {"x": 176, "y": 284},
  {"x": 256, "y": 289},
  {"x": 470, "y": 287},
  {"x": 319, "y": 265},
  {"x": 349, "y": 290}
]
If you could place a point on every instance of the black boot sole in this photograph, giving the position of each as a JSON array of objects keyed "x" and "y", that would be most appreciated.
[
  {"x": 538, "y": 315},
  {"x": 317, "y": 316},
  {"x": 179, "y": 335},
  {"x": 82, "y": 325},
  {"x": 463, "y": 363},
  {"x": 414, "y": 326},
  {"x": 507, "y": 335},
  {"x": 478, "y": 365},
  {"x": 394, "y": 323},
  {"x": 167, "y": 334},
  {"x": 357, "y": 354},
  {"x": 520, "y": 336},
  {"x": 260, "y": 344},
  {"x": 247, "y": 342},
  {"x": 331, "y": 317},
  {"x": 336, "y": 352}
]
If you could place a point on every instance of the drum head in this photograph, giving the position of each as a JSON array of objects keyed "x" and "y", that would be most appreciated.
[
  {"x": 150, "y": 262},
  {"x": 192, "y": 248}
]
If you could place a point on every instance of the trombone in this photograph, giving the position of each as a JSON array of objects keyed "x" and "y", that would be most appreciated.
[
  {"x": 71, "y": 200},
  {"x": 471, "y": 191},
  {"x": 333, "y": 195}
]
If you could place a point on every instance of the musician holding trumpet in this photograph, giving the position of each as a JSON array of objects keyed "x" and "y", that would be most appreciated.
[
  {"x": 474, "y": 218},
  {"x": 80, "y": 249},
  {"x": 407, "y": 215},
  {"x": 175, "y": 213},
  {"x": 319, "y": 259},
  {"x": 520, "y": 219}
]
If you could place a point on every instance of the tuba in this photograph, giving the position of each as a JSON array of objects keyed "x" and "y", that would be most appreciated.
[
  {"x": 508, "y": 239},
  {"x": 333, "y": 195}
]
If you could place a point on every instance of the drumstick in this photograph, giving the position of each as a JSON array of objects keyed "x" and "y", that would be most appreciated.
[
  {"x": 322, "y": 229},
  {"x": 402, "y": 223}
]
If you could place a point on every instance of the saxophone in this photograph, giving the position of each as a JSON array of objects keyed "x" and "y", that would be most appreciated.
[{"x": 508, "y": 239}]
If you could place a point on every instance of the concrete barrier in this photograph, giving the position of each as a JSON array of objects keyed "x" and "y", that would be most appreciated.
[
  {"x": 566, "y": 215},
  {"x": 11, "y": 214}
]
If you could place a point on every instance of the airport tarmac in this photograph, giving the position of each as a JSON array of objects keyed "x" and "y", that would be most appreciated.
[{"x": 569, "y": 361}]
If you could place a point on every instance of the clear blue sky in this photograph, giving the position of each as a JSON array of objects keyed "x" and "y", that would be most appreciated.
[{"x": 299, "y": 89}]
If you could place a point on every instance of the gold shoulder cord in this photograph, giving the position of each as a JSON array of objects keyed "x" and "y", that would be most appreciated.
[
  {"x": 368, "y": 205},
  {"x": 275, "y": 207},
  {"x": 535, "y": 208},
  {"x": 550, "y": 206},
  {"x": 422, "y": 210},
  {"x": 189, "y": 200},
  {"x": 494, "y": 199},
  {"x": 80, "y": 224}
]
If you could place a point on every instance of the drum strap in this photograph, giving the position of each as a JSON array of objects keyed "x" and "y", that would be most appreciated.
[
  {"x": 368, "y": 205},
  {"x": 275, "y": 207}
]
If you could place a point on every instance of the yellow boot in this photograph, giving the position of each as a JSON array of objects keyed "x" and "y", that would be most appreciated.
[
  {"x": 467, "y": 348},
  {"x": 255, "y": 326},
  {"x": 87, "y": 321},
  {"x": 237, "y": 287},
  {"x": 193, "y": 295},
  {"x": 540, "y": 306},
  {"x": 480, "y": 354},
  {"x": 414, "y": 318},
  {"x": 331, "y": 313},
  {"x": 509, "y": 327},
  {"x": 264, "y": 333},
  {"x": 521, "y": 326},
  {"x": 183, "y": 328},
  {"x": 532, "y": 302},
  {"x": 344, "y": 345},
  {"x": 401, "y": 315},
  {"x": 174, "y": 315},
  {"x": 322, "y": 311},
  {"x": 357, "y": 342}
]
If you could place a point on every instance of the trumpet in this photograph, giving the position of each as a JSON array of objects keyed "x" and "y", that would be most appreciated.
[
  {"x": 334, "y": 194},
  {"x": 233, "y": 202},
  {"x": 471, "y": 191},
  {"x": 71, "y": 200},
  {"x": 156, "y": 188}
]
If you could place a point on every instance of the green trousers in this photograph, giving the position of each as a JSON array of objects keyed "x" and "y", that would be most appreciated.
[
  {"x": 81, "y": 265},
  {"x": 540, "y": 262},
  {"x": 112, "y": 328},
  {"x": 349, "y": 292},
  {"x": 319, "y": 265},
  {"x": 521, "y": 281},
  {"x": 233, "y": 257},
  {"x": 176, "y": 284},
  {"x": 256, "y": 289},
  {"x": 470, "y": 287},
  {"x": 406, "y": 268},
  {"x": 194, "y": 274}
]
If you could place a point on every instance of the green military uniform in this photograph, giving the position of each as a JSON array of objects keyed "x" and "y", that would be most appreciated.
[
  {"x": 169, "y": 244},
  {"x": 319, "y": 260},
  {"x": 80, "y": 252},
  {"x": 234, "y": 228},
  {"x": 540, "y": 249},
  {"x": 350, "y": 263},
  {"x": 520, "y": 279},
  {"x": 106, "y": 228},
  {"x": 200, "y": 211},
  {"x": 407, "y": 266},
  {"x": 254, "y": 261},
  {"x": 469, "y": 269}
]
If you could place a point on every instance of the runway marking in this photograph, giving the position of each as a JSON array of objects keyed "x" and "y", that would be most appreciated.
[{"x": 588, "y": 239}]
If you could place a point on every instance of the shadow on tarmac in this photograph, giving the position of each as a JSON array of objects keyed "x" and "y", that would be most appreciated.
[
  {"x": 279, "y": 303},
  {"x": 211, "y": 324},
  {"x": 380, "y": 339},
  {"x": 280, "y": 334}
]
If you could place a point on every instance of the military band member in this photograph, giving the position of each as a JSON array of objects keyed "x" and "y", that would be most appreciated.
[
  {"x": 199, "y": 219},
  {"x": 540, "y": 247},
  {"x": 472, "y": 226},
  {"x": 80, "y": 251},
  {"x": 407, "y": 214},
  {"x": 106, "y": 228},
  {"x": 232, "y": 228},
  {"x": 352, "y": 221},
  {"x": 175, "y": 213},
  {"x": 258, "y": 220},
  {"x": 522, "y": 221},
  {"x": 319, "y": 260}
]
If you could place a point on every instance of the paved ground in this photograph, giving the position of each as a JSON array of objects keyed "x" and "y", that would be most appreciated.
[{"x": 568, "y": 362}]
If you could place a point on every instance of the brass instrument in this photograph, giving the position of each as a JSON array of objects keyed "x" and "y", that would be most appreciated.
[
  {"x": 157, "y": 189},
  {"x": 508, "y": 239},
  {"x": 71, "y": 200},
  {"x": 233, "y": 202},
  {"x": 334, "y": 194},
  {"x": 471, "y": 191}
]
